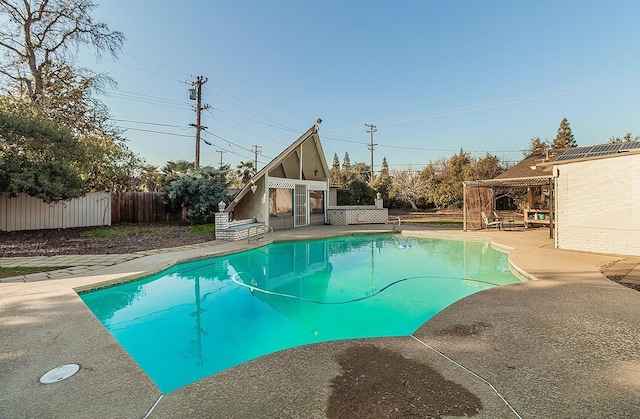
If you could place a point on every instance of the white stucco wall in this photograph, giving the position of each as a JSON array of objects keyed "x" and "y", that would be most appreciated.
[{"x": 598, "y": 205}]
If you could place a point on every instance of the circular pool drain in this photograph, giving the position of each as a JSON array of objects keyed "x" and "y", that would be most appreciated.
[{"x": 60, "y": 373}]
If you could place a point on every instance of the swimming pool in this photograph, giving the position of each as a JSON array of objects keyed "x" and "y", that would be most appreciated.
[{"x": 199, "y": 318}]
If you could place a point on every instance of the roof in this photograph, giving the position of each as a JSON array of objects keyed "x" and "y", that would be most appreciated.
[
  {"x": 536, "y": 168},
  {"x": 529, "y": 166},
  {"x": 287, "y": 163},
  {"x": 599, "y": 151},
  {"x": 528, "y": 172}
]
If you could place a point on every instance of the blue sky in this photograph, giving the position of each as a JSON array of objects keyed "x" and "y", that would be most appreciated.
[{"x": 433, "y": 76}]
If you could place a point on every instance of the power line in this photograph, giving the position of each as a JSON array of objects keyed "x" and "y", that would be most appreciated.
[
  {"x": 157, "y": 65},
  {"x": 247, "y": 107},
  {"x": 227, "y": 141},
  {"x": 147, "y": 97},
  {"x": 148, "y": 123},
  {"x": 175, "y": 105},
  {"x": 156, "y": 132},
  {"x": 253, "y": 120}
]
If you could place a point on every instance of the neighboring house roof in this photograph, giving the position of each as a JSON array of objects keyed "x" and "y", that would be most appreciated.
[
  {"x": 536, "y": 168},
  {"x": 528, "y": 172},
  {"x": 529, "y": 167},
  {"x": 303, "y": 155}
]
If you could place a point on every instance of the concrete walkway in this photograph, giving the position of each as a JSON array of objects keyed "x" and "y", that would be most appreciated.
[{"x": 562, "y": 346}]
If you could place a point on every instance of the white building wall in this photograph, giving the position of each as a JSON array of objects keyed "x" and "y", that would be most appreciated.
[{"x": 598, "y": 205}]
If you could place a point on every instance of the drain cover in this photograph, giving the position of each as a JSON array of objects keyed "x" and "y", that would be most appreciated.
[{"x": 59, "y": 373}]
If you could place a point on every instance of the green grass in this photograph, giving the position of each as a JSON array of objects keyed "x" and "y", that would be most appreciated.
[
  {"x": 22, "y": 270},
  {"x": 447, "y": 219},
  {"x": 107, "y": 233},
  {"x": 202, "y": 229}
]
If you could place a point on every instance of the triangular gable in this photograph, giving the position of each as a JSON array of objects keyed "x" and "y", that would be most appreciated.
[{"x": 306, "y": 150}]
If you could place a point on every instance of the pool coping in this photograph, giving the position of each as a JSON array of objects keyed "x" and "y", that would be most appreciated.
[{"x": 44, "y": 324}]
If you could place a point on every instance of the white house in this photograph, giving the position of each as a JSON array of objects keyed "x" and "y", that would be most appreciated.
[
  {"x": 597, "y": 199},
  {"x": 589, "y": 196}
]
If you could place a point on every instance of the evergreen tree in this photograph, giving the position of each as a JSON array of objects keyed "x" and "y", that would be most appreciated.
[
  {"x": 565, "y": 137},
  {"x": 198, "y": 191},
  {"x": 346, "y": 174},
  {"x": 334, "y": 172},
  {"x": 382, "y": 183},
  {"x": 346, "y": 162}
]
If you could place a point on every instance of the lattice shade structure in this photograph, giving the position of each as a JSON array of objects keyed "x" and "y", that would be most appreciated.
[
  {"x": 476, "y": 200},
  {"x": 479, "y": 196}
]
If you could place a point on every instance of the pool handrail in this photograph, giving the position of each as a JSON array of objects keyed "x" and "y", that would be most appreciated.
[{"x": 261, "y": 231}]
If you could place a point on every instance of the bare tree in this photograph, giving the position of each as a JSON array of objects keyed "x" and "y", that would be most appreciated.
[
  {"x": 536, "y": 145},
  {"x": 407, "y": 186},
  {"x": 35, "y": 34},
  {"x": 628, "y": 137}
]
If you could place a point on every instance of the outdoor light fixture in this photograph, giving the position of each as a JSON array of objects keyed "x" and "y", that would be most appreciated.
[
  {"x": 254, "y": 187},
  {"x": 221, "y": 206}
]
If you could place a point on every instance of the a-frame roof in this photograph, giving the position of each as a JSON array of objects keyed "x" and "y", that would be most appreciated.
[{"x": 303, "y": 159}]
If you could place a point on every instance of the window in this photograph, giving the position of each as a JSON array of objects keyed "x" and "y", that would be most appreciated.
[
  {"x": 281, "y": 202},
  {"x": 316, "y": 202}
]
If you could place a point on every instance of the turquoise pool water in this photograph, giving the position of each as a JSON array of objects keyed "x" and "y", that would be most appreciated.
[{"x": 199, "y": 318}]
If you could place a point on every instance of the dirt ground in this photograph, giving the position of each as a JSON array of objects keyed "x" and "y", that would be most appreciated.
[{"x": 71, "y": 241}]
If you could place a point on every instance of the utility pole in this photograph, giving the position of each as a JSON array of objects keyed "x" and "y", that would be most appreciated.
[
  {"x": 372, "y": 129},
  {"x": 221, "y": 151},
  {"x": 256, "y": 149},
  {"x": 196, "y": 94}
]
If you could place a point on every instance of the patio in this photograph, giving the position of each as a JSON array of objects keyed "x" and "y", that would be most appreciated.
[{"x": 563, "y": 345}]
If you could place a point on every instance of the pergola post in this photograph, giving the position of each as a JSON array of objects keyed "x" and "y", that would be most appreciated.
[
  {"x": 551, "y": 209},
  {"x": 464, "y": 206}
]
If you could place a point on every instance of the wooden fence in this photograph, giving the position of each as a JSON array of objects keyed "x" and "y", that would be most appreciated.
[
  {"x": 94, "y": 209},
  {"x": 140, "y": 207}
]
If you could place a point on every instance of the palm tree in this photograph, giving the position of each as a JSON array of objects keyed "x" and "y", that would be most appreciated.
[{"x": 245, "y": 171}]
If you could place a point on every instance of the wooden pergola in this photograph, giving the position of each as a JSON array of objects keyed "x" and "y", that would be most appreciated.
[{"x": 479, "y": 196}]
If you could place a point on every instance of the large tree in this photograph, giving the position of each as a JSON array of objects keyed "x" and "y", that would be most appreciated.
[
  {"x": 198, "y": 191},
  {"x": 38, "y": 33},
  {"x": 37, "y": 156},
  {"x": 39, "y": 40},
  {"x": 486, "y": 167},
  {"x": 564, "y": 138},
  {"x": 382, "y": 183},
  {"x": 408, "y": 186},
  {"x": 535, "y": 145},
  {"x": 445, "y": 178},
  {"x": 334, "y": 172}
]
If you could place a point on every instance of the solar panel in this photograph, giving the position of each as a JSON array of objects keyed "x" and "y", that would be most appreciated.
[{"x": 598, "y": 150}]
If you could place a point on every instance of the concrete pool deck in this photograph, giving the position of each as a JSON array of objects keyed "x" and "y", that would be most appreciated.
[{"x": 564, "y": 345}]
